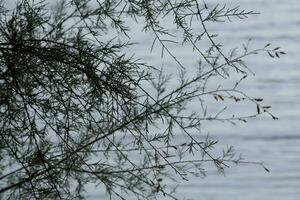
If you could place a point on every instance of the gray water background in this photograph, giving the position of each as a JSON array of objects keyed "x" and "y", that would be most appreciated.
[{"x": 277, "y": 143}]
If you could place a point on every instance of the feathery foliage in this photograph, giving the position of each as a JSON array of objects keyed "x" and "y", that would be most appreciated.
[{"x": 77, "y": 109}]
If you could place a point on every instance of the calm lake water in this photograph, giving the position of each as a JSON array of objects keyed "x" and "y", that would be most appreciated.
[{"x": 277, "y": 143}]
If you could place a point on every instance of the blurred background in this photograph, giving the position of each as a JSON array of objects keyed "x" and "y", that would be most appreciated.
[{"x": 277, "y": 143}]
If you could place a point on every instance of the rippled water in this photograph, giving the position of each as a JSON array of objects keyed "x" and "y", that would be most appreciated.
[
  {"x": 262, "y": 139},
  {"x": 275, "y": 142}
]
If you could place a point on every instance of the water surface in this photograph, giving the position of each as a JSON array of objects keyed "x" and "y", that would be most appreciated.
[{"x": 277, "y": 143}]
